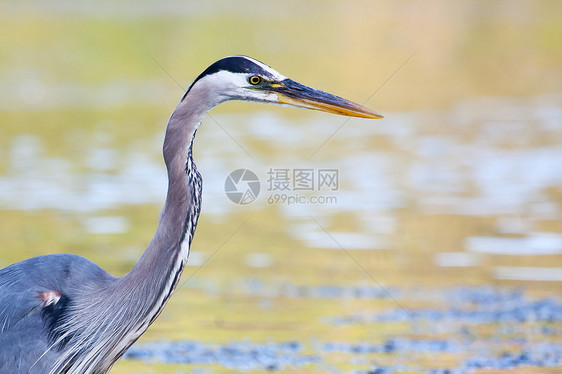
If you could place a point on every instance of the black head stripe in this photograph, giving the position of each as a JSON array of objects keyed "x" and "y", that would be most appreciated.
[{"x": 233, "y": 64}]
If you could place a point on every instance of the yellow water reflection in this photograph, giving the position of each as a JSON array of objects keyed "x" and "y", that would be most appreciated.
[{"x": 459, "y": 185}]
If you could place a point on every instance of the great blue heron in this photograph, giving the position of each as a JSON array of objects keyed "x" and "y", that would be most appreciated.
[{"x": 62, "y": 313}]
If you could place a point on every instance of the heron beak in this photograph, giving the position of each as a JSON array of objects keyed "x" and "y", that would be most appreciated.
[{"x": 295, "y": 94}]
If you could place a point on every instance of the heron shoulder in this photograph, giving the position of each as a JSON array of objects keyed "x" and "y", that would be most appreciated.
[
  {"x": 42, "y": 281},
  {"x": 52, "y": 272},
  {"x": 35, "y": 295}
]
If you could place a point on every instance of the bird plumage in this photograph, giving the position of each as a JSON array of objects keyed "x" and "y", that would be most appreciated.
[
  {"x": 63, "y": 313},
  {"x": 27, "y": 326}
]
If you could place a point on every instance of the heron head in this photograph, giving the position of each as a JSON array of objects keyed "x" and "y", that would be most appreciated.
[{"x": 244, "y": 78}]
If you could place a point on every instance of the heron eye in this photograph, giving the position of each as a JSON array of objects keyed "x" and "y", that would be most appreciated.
[{"x": 254, "y": 79}]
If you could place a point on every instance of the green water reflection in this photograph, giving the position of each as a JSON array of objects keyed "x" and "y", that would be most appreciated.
[{"x": 468, "y": 154}]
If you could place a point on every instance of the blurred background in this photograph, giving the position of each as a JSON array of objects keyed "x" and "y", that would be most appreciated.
[{"x": 440, "y": 249}]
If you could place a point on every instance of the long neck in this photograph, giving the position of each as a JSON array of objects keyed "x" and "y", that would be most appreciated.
[
  {"x": 159, "y": 268},
  {"x": 126, "y": 306}
]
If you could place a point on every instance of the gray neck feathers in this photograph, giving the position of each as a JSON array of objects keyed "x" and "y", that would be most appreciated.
[{"x": 125, "y": 307}]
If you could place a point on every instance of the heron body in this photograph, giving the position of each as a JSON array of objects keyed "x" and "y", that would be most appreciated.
[{"x": 62, "y": 313}]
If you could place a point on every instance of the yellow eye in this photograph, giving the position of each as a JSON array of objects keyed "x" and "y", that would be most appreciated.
[{"x": 254, "y": 79}]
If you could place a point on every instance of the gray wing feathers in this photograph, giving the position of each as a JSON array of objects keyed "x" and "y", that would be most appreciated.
[{"x": 23, "y": 331}]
